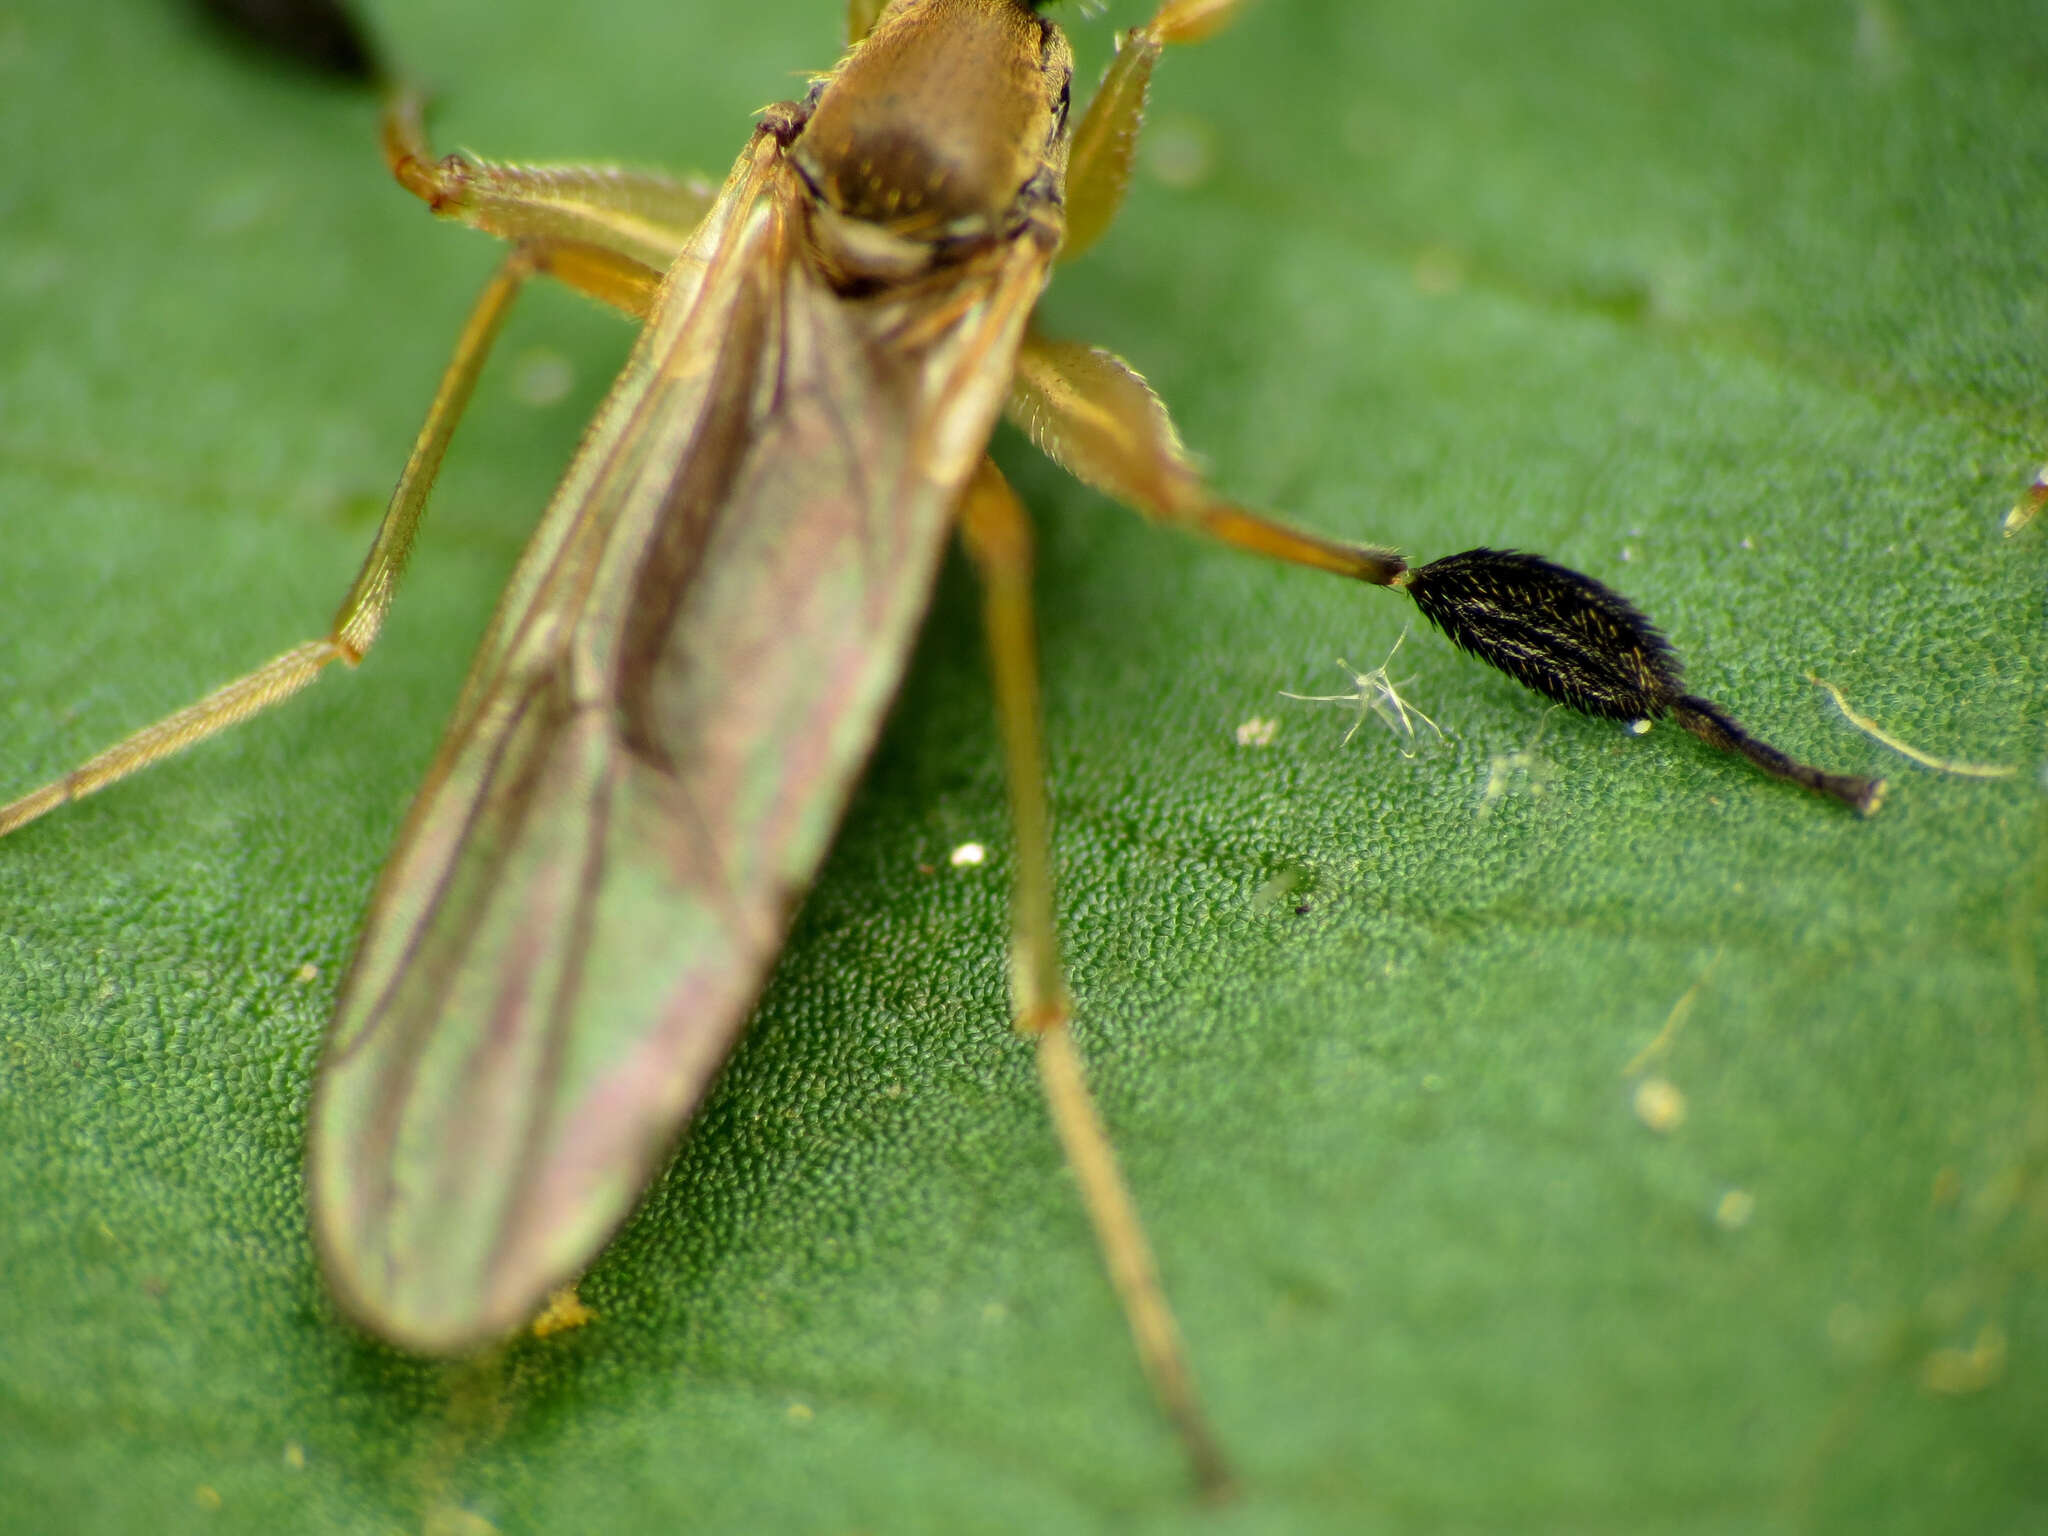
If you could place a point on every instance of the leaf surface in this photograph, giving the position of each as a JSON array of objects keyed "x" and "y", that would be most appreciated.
[{"x": 1739, "y": 312}]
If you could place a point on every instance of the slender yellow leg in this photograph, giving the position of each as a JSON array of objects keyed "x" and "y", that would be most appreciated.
[
  {"x": 998, "y": 538},
  {"x": 860, "y": 18},
  {"x": 606, "y": 232},
  {"x": 1092, "y": 414},
  {"x": 1090, "y": 411},
  {"x": 630, "y": 218},
  {"x": 362, "y": 611},
  {"x": 1106, "y": 142}
]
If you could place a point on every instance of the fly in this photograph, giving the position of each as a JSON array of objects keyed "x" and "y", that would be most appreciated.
[{"x": 694, "y": 655}]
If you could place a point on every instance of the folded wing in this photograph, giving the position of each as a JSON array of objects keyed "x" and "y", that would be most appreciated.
[{"x": 655, "y": 744}]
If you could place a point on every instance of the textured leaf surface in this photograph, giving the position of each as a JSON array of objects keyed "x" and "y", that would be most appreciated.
[{"x": 1739, "y": 310}]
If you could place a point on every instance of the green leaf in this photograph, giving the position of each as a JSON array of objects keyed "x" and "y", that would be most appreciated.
[{"x": 1737, "y": 308}]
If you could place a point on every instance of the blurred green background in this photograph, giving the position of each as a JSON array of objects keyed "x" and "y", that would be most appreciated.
[{"x": 1738, "y": 307}]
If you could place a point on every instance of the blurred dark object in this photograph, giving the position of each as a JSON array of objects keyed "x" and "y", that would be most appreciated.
[{"x": 319, "y": 35}]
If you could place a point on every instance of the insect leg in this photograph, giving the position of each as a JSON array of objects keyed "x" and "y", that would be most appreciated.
[
  {"x": 997, "y": 535},
  {"x": 1090, "y": 412},
  {"x": 1106, "y": 142},
  {"x": 1547, "y": 626},
  {"x": 860, "y": 18},
  {"x": 361, "y": 613},
  {"x": 636, "y": 219}
]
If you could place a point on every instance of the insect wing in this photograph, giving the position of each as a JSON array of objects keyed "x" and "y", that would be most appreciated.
[{"x": 688, "y": 669}]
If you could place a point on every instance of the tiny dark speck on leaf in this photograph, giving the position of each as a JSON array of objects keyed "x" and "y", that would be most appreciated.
[{"x": 318, "y": 35}]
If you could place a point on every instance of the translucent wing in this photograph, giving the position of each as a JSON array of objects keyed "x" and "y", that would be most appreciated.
[{"x": 655, "y": 744}]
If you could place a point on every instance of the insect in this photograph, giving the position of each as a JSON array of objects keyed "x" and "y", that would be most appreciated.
[{"x": 693, "y": 656}]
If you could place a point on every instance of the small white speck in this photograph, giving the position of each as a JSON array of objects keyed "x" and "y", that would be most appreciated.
[
  {"x": 1257, "y": 732},
  {"x": 1639, "y": 727},
  {"x": 1733, "y": 1210},
  {"x": 541, "y": 377},
  {"x": 1660, "y": 1105},
  {"x": 967, "y": 855}
]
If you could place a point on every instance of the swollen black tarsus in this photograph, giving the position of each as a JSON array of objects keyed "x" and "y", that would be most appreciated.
[{"x": 1572, "y": 639}]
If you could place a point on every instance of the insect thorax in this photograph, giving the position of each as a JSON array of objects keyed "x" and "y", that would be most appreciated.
[{"x": 944, "y": 130}]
